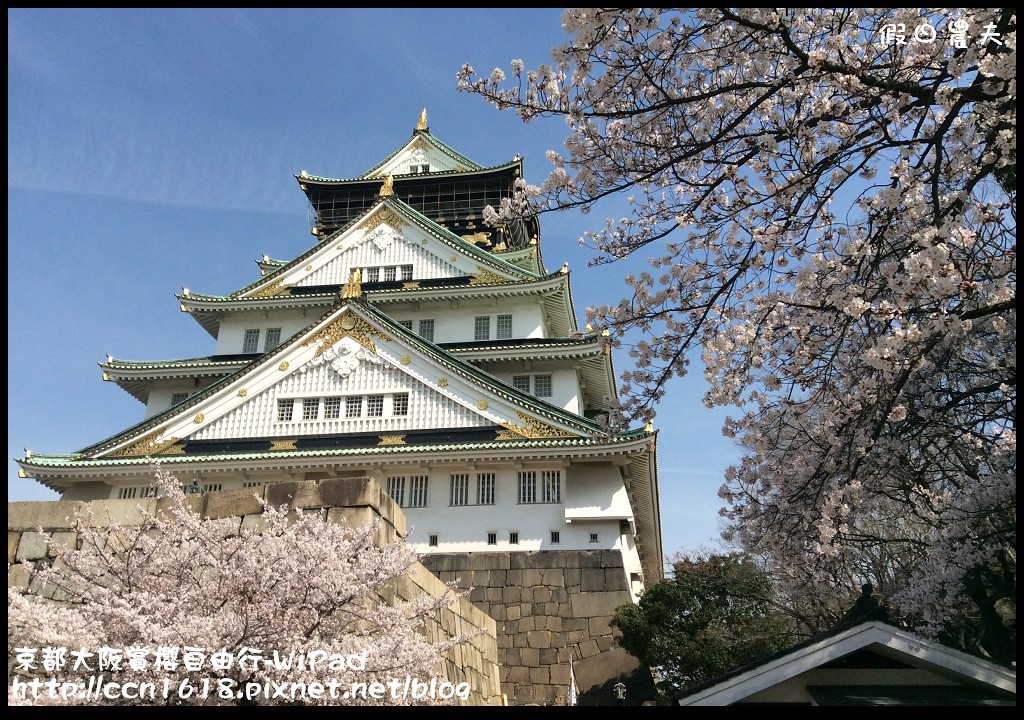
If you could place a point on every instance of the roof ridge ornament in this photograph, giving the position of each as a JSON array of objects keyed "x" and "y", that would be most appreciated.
[
  {"x": 421, "y": 124},
  {"x": 353, "y": 288}
]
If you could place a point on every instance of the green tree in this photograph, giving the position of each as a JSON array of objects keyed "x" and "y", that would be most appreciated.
[{"x": 716, "y": 613}]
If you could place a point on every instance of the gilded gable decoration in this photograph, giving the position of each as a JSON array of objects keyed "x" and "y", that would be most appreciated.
[
  {"x": 348, "y": 325},
  {"x": 272, "y": 290},
  {"x": 486, "y": 277},
  {"x": 343, "y": 359},
  {"x": 149, "y": 445},
  {"x": 384, "y": 215},
  {"x": 353, "y": 288},
  {"x": 532, "y": 428}
]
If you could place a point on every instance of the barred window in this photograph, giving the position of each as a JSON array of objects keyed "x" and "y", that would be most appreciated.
[
  {"x": 504, "y": 327},
  {"x": 371, "y": 274},
  {"x": 418, "y": 491},
  {"x": 284, "y": 410},
  {"x": 400, "y": 404},
  {"x": 375, "y": 406},
  {"x": 460, "y": 489},
  {"x": 390, "y": 274},
  {"x": 272, "y": 340},
  {"x": 556, "y": 537},
  {"x": 432, "y": 540},
  {"x": 485, "y": 488},
  {"x": 396, "y": 489},
  {"x": 427, "y": 330},
  {"x": 407, "y": 324},
  {"x": 513, "y": 538},
  {"x": 482, "y": 328},
  {"x": 406, "y": 272},
  {"x": 492, "y": 538},
  {"x": 310, "y": 408},
  {"x": 332, "y": 408},
  {"x": 527, "y": 487},
  {"x": 542, "y": 385},
  {"x": 354, "y": 406},
  {"x": 251, "y": 341},
  {"x": 551, "y": 486},
  {"x": 178, "y": 398},
  {"x": 521, "y": 382}
]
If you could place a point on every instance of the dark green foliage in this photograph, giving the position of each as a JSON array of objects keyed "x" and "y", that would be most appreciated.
[{"x": 714, "y": 615}]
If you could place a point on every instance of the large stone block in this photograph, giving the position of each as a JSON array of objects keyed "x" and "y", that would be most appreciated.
[
  {"x": 46, "y": 514},
  {"x": 593, "y": 580},
  {"x": 228, "y": 503},
  {"x": 595, "y": 604},
  {"x": 12, "y": 545},
  {"x": 33, "y": 546}
]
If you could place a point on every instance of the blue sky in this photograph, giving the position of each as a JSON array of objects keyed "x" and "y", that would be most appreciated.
[{"x": 150, "y": 150}]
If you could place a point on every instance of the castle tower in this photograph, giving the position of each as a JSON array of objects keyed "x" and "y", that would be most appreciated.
[{"x": 414, "y": 344}]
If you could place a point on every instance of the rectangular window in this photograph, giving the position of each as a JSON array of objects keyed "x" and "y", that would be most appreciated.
[
  {"x": 372, "y": 274},
  {"x": 527, "y": 487},
  {"x": 375, "y": 406},
  {"x": 460, "y": 489},
  {"x": 504, "y": 327},
  {"x": 400, "y": 404},
  {"x": 407, "y": 324},
  {"x": 593, "y": 537},
  {"x": 272, "y": 340},
  {"x": 485, "y": 488},
  {"x": 556, "y": 537},
  {"x": 406, "y": 271},
  {"x": 396, "y": 489},
  {"x": 513, "y": 538},
  {"x": 389, "y": 274},
  {"x": 284, "y": 410},
  {"x": 432, "y": 541},
  {"x": 178, "y": 398},
  {"x": 427, "y": 330},
  {"x": 418, "y": 491},
  {"x": 332, "y": 408},
  {"x": 137, "y": 491},
  {"x": 521, "y": 383},
  {"x": 542, "y": 385},
  {"x": 251, "y": 483},
  {"x": 212, "y": 487},
  {"x": 551, "y": 486},
  {"x": 492, "y": 538},
  {"x": 482, "y": 328},
  {"x": 354, "y": 406},
  {"x": 310, "y": 408},
  {"x": 251, "y": 341}
]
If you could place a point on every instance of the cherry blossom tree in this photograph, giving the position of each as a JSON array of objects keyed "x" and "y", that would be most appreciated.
[
  {"x": 827, "y": 202},
  {"x": 290, "y": 612}
]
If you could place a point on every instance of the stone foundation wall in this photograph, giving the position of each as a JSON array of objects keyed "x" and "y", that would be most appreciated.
[
  {"x": 31, "y": 525},
  {"x": 547, "y": 604}
]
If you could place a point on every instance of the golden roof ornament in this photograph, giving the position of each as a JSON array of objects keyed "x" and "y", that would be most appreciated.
[
  {"x": 421, "y": 124},
  {"x": 388, "y": 188},
  {"x": 353, "y": 288}
]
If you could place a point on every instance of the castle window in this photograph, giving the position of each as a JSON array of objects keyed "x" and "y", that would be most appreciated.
[
  {"x": 251, "y": 341},
  {"x": 427, "y": 330},
  {"x": 556, "y": 537},
  {"x": 284, "y": 409},
  {"x": 406, "y": 271},
  {"x": 513, "y": 538},
  {"x": 354, "y": 406},
  {"x": 542, "y": 385},
  {"x": 136, "y": 491},
  {"x": 485, "y": 488},
  {"x": 212, "y": 487},
  {"x": 482, "y": 328},
  {"x": 503, "y": 330},
  {"x": 527, "y": 487},
  {"x": 551, "y": 486},
  {"x": 371, "y": 274},
  {"x": 390, "y": 273},
  {"x": 593, "y": 537},
  {"x": 332, "y": 408},
  {"x": 536, "y": 385},
  {"x": 492, "y": 538},
  {"x": 310, "y": 408},
  {"x": 432, "y": 541},
  {"x": 396, "y": 489},
  {"x": 407, "y": 324},
  {"x": 460, "y": 489},
  {"x": 418, "y": 491},
  {"x": 178, "y": 398},
  {"x": 400, "y": 404},
  {"x": 375, "y": 406},
  {"x": 272, "y": 340}
]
